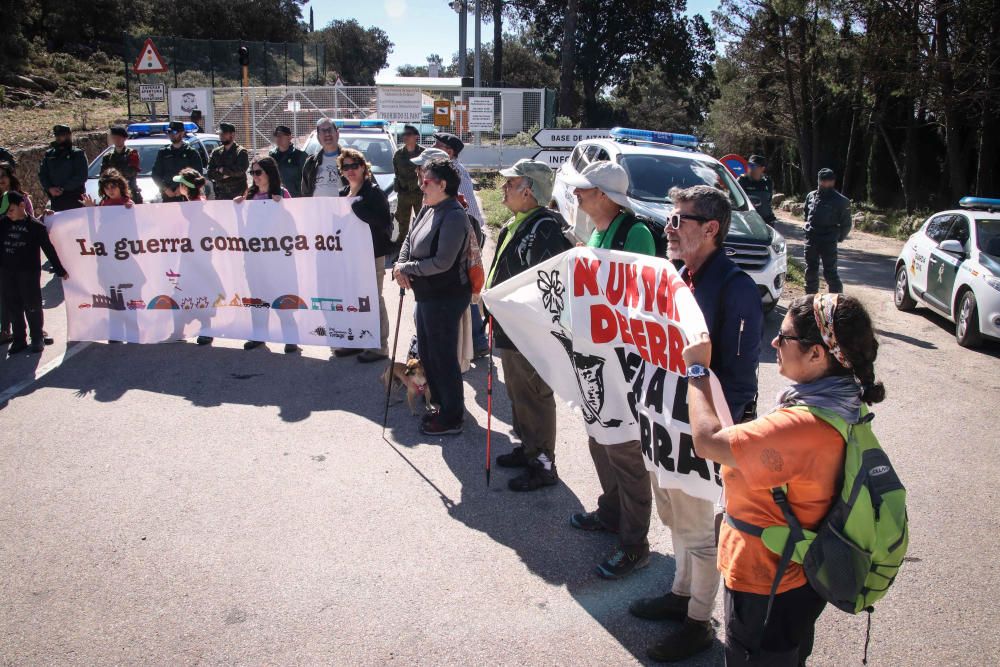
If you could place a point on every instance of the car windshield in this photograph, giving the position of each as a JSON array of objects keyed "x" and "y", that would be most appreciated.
[
  {"x": 652, "y": 176},
  {"x": 147, "y": 156},
  {"x": 988, "y": 236},
  {"x": 378, "y": 150}
]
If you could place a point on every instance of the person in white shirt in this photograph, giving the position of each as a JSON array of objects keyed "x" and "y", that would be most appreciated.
[{"x": 320, "y": 176}]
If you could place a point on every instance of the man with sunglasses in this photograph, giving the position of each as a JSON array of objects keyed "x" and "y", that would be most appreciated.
[
  {"x": 228, "y": 165},
  {"x": 731, "y": 304},
  {"x": 170, "y": 160},
  {"x": 320, "y": 176}
]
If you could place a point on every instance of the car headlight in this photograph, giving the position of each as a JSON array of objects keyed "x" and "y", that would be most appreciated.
[
  {"x": 993, "y": 282},
  {"x": 778, "y": 244}
]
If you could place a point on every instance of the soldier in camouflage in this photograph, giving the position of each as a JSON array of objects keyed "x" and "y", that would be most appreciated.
[{"x": 228, "y": 165}]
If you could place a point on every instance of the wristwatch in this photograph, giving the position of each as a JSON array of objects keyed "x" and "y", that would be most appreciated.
[{"x": 697, "y": 371}]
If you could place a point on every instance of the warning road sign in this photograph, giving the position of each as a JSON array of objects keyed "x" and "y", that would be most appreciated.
[{"x": 149, "y": 61}]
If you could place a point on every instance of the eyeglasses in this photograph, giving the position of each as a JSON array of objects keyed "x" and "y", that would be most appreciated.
[
  {"x": 427, "y": 180},
  {"x": 783, "y": 337},
  {"x": 327, "y": 129},
  {"x": 674, "y": 221},
  {"x": 257, "y": 172},
  {"x": 350, "y": 166}
]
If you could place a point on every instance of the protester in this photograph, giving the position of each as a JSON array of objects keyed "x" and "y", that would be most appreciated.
[
  {"x": 189, "y": 186},
  {"x": 290, "y": 160},
  {"x": 453, "y": 146},
  {"x": 63, "y": 171},
  {"x": 731, "y": 305},
  {"x": 123, "y": 159},
  {"x": 113, "y": 190},
  {"x": 228, "y": 164},
  {"x": 171, "y": 160},
  {"x": 828, "y": 222},
  {"x": 626, "y": 499},
  {"x": 21, "y": 239},
  {"x": 531, "y": 236},
  {"x": 320, "y": 177},
  {"x": 407, "y": 184},
  {"x": 372, "y": 207},
  {"x": 430, "y": 263},
  {"x": 9, "y": 182},
  {"x": 759, "y": 188},
  {"x": 826, "y": 346}
]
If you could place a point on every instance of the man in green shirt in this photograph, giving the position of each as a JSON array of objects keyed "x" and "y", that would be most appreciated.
[{"x": 626, "y": 500}]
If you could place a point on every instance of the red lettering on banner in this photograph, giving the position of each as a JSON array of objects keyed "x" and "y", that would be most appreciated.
[
  {"x": 623, "y": 329},
  {"x": 657, "y": 344},
  {"x": 585, "y": 276},
  {"x": 631, "y": 285},
  {"x": 676, "y": 343},
  {"x": 616, "y": 283},
  {"x": 648, "y": 287},
  {"x": 664, "y": 296},
  {"x": 639, "y": 336},
  {"x": 602, "y": 324}
]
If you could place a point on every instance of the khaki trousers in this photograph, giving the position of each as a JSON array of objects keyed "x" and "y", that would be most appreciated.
[
  {"x": 627, "y": 499},
  {"x": 532, "y": 404},
  {"x": 383, "y": 314}
]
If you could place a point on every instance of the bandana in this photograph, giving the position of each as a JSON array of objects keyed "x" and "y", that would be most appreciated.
[{"x": 824, "y": 307}]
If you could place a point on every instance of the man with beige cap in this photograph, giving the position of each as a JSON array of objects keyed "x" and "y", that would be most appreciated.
[{"x": 533, "y": 235}]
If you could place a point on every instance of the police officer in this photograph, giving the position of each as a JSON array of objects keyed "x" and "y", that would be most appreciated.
[
  {"x": 63, "y": 171},
  {"x": 828, "y": 222},
  {"x": 170, "y": 160},
  {"x": 759, "y": 188},
  {"x": 124, "y": 159},
  {"x": 228, "y": 165},
  {"x": 198, "y": 119},
  {"x": 409, "y": 196},
  {"x": 290, "y": 160}
]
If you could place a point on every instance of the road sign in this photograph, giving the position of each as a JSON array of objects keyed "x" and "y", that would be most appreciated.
[
  {"x": 481, "y": 114},
  {"x": 556, "y": 138},
  {"x": 736, "y": 165},
  {"x": 400, "y": 104},
  {"x": 149, "y": 61},
  {"x": 553, "y": 158},
  {"x": 442, "y": 113},
  {"x": 153, "y": 92}
]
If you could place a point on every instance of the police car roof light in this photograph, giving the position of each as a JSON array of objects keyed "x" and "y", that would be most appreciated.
[
  {"x": 370, "y": 123},
  {"x": 147, "y": 129},
  {"x": 654, "y": 136},
  {"x": 980, "y": 203}
]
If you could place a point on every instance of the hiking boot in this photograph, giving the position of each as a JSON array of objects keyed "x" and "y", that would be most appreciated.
[
  {"x": 17, "y": 346},
  {"x": 534, "y": 477},
  {"x": 252, "y": 344},
  {"x": 435, "y": 426},
  {"x": 47, "y": 338},
  {"x": 515, "y": 459},
  {"x": 292, "y": 348},
  {"x": 669, "y": 607},
  {"x": 205, "y": 340},
  {"x": 481, "y": 353},
  {"x": 369, "y": 356},
  {"x": 37, "y": 346},
  {"x": 430, "y": 414},
  {"x": 689, "y": 640},
  {"x": 623, "y": 562},
  {"x": 589, "y": 521},
  {"x": 341, "y": 352}
]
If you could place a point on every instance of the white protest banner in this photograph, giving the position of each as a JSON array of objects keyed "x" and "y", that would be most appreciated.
[
  {"x": 605, "y": 330},
  {"x": 297, "y": 271}
]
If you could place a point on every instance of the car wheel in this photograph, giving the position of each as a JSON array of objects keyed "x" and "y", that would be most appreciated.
[
  {"x": 967, "y": 321},
  {"x": 902, "y": 296},
  {"x": 768, "y": 307}
]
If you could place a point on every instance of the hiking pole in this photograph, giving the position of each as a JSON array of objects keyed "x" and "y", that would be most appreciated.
[
  {"x": 392, "y": 360},
  {"x": 489, "y": 409}
]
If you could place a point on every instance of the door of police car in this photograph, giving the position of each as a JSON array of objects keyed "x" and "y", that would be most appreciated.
[{"x": 942, "y": 267}]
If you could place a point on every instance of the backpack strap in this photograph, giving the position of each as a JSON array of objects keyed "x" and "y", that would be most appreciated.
[{"x": 621, "y": 234}]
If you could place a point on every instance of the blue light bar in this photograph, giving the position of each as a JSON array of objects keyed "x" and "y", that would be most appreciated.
[
  {"x": 146, "y": 129},
  {"x": 356, "y": 123},
  {"x": 979, "y": 203},
  {"x": 626, "y": 133}
]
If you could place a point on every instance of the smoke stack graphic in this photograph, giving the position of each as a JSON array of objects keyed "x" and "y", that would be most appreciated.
[{"x": 590, "y": 379}]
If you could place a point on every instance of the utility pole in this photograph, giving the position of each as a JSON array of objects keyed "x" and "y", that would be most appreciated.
[
  {"x": 463, "y": 19},
  {"x": 479, "y": 43}
]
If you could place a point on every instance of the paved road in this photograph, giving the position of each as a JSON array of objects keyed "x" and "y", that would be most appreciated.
[{"x": 180, "y": 505}]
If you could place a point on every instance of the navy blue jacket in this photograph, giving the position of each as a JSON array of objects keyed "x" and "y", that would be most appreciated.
[{"x": 731, "y": 304}]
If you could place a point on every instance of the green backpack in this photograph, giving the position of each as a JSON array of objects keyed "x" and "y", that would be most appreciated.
[{"x": 854, "y": 556}]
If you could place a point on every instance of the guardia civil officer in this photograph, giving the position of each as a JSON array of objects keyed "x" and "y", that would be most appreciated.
[
  {"x": 759, "y": 188},
  {"x": 228, "y": 165},
  {"x": 63, "y": 171},
  {"x": 828, "y": 222},
  {"x": 172, "y": 159},
  {"x": 290, "y": 160},
  {"x": 409, "y": 196},
  {"x": 124, "y": 160}
]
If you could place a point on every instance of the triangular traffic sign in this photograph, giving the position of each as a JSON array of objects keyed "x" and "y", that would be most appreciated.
[
  {"x": 339, "y": 83},
  {"x": 149, "y": 61}
]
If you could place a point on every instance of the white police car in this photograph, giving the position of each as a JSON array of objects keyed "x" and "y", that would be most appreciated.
[
  {"x": 952, "y": 264},
  {"x": 148, "y": 139},
  {"x": 658, "y": 161}
]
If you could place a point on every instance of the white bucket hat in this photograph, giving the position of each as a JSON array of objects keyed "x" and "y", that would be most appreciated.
[{"x": 608, "y": 177}]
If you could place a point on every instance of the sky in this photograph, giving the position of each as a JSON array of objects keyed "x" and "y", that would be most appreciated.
[{"x": 418, "y": 28}]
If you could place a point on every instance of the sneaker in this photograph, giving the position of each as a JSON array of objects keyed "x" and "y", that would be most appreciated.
[
  {"x": 669, "y": 607},
  {"x": 291, "y": 348},
  {"x": 481, "y": 353},
  {"x": 430, "y": 414},
  {"x": 435, "y": 426},
  {"x": 623, "y": 562},
  {"x": 341, "y": 352},
  {"x": 6, "y": 337},
  {"x": 515, "y": 459},
  {"x": 206, "y": 340},
  {"x": 47, "y": 338},
  {"x": 689, "y": 640},
  {"x": 589, "y": 521},
  {"x": 534, "y": 477},
  {"x": 369, "y": 356},
  {"x": 17, "y": 346},
  {"x": 37, "y": 346},
  {"x": 252, "y": 344}
]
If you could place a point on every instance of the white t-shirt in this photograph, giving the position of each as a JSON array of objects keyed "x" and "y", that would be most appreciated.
[{"x": 328, "y": 182}]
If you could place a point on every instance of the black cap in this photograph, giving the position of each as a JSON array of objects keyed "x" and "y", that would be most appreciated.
[
  {"x": 757, "y": 161},
  {"x": 451, "y": 141},
  {"x": 282, "y": 129},
  {"x": 60, "y": 129},
  {"x": 196, "y": 113},
  {"x": 227, "y": 127},
  {"x": 176, "y": 126},
  {"x": 410, "y": 129},
  {"x": 826, "y": 174},
  {"x": 118, "y": 131}
]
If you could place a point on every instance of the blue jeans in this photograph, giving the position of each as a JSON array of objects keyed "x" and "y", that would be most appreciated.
[
  {"x": 437, "y": 344},
  {"x": 479, "y": 339}
]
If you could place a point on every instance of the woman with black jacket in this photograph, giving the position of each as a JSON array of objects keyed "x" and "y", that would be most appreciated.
[{"x": 372, "y": 206}]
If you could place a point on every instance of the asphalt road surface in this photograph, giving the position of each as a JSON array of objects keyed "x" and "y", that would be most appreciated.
[{"x": 172, "y": 504}]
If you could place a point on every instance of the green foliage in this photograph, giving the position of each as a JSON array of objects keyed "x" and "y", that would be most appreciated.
[
  {"x": 490, "y": 196},
  {"x": 354, "y": 52}
]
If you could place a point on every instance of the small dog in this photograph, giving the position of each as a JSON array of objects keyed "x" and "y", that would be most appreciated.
[{"x": 410, "y": 375}]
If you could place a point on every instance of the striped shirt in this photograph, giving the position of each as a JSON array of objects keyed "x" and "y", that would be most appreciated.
[{"x": 467, "y": 191}]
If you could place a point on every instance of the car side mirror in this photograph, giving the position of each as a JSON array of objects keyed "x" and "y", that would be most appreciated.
[{"x": 952, "y": 246}]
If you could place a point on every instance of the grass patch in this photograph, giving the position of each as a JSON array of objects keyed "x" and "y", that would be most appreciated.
[
  {"x": 795, "y": 273},
  {"x": 490, "y": 197}
]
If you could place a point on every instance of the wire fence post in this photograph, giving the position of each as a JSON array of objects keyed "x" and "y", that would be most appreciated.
[{"x": 128, "y": 84}]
